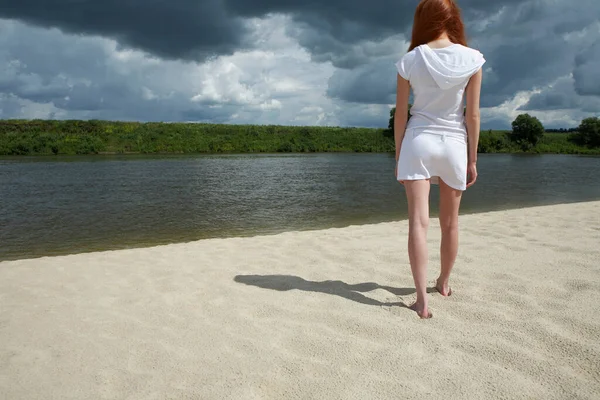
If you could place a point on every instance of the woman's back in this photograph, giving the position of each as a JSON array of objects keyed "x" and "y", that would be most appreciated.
[{"x": 438, "y": 77}]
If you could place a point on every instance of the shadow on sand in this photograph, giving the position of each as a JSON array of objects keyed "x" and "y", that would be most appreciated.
[{"x": 284, "y": 283}]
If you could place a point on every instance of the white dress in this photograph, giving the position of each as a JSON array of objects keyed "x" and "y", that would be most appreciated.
[{"x": 435, "y": 141}]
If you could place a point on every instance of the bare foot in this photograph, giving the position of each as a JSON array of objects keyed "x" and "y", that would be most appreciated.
[
  {"x": 422, "y": 312},
  {"x": 443, "y": 288}
]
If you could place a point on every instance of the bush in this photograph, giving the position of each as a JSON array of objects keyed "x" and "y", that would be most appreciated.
[
  {"x": 38, "y": 137},
  {"x": 494, "y": 142},
  {"x": 19, "y": 137},
  {"x": 527, "y": 131},
  {"x": 588, "y": 133}
]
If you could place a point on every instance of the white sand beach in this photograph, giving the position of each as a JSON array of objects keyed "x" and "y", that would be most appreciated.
[{"x": 313, "y": 315}]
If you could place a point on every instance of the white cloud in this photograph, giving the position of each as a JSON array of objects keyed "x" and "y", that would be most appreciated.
[
  {"x": 268, "y": 84},
  {"x": 550, "y": 118},
  {"x": 281, "y": 79}
]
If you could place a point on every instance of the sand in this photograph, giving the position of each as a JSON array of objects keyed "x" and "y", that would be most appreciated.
[{"x": 313, "y": 315}]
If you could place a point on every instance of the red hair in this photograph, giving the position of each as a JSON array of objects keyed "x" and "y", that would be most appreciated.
[{"x": 433, "y": 18}]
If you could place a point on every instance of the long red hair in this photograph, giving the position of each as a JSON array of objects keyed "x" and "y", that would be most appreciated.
[{"x": 433, "y": 18}]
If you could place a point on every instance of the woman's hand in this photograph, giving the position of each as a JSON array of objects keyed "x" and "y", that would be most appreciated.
[{"x": 471, "y": 173}]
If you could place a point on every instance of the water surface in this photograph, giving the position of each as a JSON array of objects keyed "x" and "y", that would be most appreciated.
[{"x": 62, "y": 205}]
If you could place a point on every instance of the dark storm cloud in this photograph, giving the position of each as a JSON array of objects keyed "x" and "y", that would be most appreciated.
[
  {"x": 185, "y": 29},
  {"x": 587, "y": 71},
  {"x": 364, "y": 84},
  {"x": 528, "y": 44},
  {"x": 562, "y": 96},
  {"x": 58, "y": 79},
  {"x": 197, "y": 29},
  {"x": 10, "y": 106},
  {"x": 32, "y": 89},
  {"x": 532, "y": 44},
  {"x": 78, "y": 77},
  {"x": 523, "y": 66},
  {"x": 329, "y": 29}
]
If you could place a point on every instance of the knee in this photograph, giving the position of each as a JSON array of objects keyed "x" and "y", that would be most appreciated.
[
  {"x": 420, "y": 223},
  {"x": 449, "y": 225}
]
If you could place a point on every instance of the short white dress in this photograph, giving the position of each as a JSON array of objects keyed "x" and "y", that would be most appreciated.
[{"x": 435, "y": 142}]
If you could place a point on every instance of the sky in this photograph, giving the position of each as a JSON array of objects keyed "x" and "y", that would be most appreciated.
[{"x": 285, "y": 62}]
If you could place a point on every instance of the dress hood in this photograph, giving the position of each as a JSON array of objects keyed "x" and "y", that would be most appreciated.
[{"x": 452, "y": 65}]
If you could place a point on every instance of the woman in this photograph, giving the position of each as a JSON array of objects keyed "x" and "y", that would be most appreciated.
[{"x": 439, "y": 145}]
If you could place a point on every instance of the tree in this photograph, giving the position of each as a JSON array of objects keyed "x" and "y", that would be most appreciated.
[
  {"x": 588, "y": 133},
  {"x": 392, "y": 115},
  {"x": 527, "y": 131}
]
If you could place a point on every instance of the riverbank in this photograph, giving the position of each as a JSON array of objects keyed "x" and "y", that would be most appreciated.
[
  {"x": 41, "y": 137},
  {"x": 313, "y": 314}
]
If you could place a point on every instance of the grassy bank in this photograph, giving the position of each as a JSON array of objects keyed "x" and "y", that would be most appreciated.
[
  {"x": 41, "y": 137},
  {"x": 551, "y": 143}
]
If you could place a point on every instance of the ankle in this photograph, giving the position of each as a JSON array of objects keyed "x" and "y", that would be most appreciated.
[{"x": 422, "y": 302}]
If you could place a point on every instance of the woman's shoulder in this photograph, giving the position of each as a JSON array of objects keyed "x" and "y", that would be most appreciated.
[
  {"x": 405, "y": 63},
  {"x": 408, "y": 58},
  {"x": 469, "y": 51},
  {"x": 409, "y": 54},
  {"x": 455, "y": 54}
]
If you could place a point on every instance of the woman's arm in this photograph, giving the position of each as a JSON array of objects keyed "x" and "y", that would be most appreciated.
[
  {"x": 401, "y": 115},
  {"x": 472, "y": 118}
]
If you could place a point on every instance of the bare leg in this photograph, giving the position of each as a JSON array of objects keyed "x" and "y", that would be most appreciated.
[
  {"x": 449, "y": 206},
  {"x": 417, "y": 193}
]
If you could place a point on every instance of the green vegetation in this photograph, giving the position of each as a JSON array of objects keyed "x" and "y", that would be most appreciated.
[
  {"x": 40, "y": 137},
  {"x": 527, "y": 131},
  {"x": 529, "y": 136},
  {"x": 550, "y": 143},
  {"x": 588, "y": 133}
]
